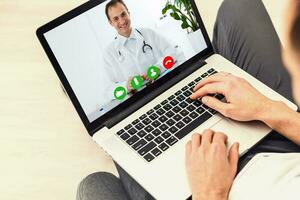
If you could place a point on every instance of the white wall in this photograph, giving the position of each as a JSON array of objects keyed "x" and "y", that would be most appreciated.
[
  {"x": 78, "y": 53},
  {"x": 79, "y": 43}
]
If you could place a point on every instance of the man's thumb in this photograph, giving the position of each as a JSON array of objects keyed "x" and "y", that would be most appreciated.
[
  {"x": 214, "y": 104},
  {"x": 234, "y": 156}
]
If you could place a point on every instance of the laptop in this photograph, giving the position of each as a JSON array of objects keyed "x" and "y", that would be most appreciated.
[{"x": 146, "y": 130}]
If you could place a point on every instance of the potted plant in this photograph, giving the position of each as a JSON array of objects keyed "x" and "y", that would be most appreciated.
[{"x": 181, "y": 10}]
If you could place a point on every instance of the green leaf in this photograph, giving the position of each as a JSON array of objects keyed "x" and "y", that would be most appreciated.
[
  {"x": 186, "y": 3},
  {"x": 178, "y": 3},
  {"x": 175, "y": 16},
  {"x": 172, "y": 7},
  {"x": 166, "y": 8},
  {"x": 184, "y": 25},
  {"x": 184, "y": 19}
]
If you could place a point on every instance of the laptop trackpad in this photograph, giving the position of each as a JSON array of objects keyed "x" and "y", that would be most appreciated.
[{"x": 246, "y": 133}]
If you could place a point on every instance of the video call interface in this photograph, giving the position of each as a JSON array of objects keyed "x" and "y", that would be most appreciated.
[{"x": 116, "y": 49}]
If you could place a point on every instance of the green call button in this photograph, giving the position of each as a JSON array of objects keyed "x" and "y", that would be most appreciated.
[
  {"x": 120, "y": 93},
  {"x": 153, "y": 72},
  {"x": 136, "y": 82}
]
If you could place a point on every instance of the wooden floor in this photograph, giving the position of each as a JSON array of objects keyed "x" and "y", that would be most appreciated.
[{"x": 44, "y": 148}]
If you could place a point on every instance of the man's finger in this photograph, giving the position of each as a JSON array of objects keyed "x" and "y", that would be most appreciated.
[
  {"x": 210, "y": 88},
  {"x": 218, "y": 77},
  {"x": 206, "y": 138},
  {"x": 144, "y": 77},
  {"x": 196, "y": 140},
  {"x": 188, "y": 148},
  {"x": 220, "y": 138},
  {"x": 234, "y": 156},
  {"x": 216, "y": 104}
]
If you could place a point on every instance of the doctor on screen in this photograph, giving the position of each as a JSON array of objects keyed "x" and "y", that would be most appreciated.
[{"x": 134, "y": 50}]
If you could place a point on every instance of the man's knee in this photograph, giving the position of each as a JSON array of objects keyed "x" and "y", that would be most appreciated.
[
  {"x": 94, "y": 186},
  {"x": 237, "y": 10},
  {"x": 238, "y": 5}
]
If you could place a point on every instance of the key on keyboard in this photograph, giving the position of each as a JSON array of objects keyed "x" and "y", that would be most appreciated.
[{"x": 166, "y": 123}]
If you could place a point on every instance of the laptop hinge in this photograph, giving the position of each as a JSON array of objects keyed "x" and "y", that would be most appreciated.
[
  {"x": 208, "y": 55},
  {"x": 101, "y": 135}
]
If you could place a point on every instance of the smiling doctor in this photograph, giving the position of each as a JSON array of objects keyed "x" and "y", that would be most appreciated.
[{"x": 133, "y": 50}]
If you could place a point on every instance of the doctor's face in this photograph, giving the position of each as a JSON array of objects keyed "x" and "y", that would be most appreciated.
[{"x": 119, "y": 18}]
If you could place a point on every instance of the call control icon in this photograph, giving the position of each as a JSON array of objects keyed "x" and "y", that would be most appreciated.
[
  {"x": 153, "y": 72},
  {"x": 120, "y": 93},
  {"x": 136, "y": 82},
  {"x": 168, "y": 62}
]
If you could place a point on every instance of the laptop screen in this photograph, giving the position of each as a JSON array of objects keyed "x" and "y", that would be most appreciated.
[{"x": 116, "y": 49}]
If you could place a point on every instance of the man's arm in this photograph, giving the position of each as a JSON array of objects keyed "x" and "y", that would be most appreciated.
[
  {"x": 245, "y": 103},
  {"x": 283, "y": 119}
]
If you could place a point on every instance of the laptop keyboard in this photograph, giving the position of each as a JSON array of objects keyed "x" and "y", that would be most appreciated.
[{"x": 168, "y": 122}]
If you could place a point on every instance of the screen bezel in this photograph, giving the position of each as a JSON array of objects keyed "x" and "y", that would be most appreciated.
[{"x": 102, "y": 120}]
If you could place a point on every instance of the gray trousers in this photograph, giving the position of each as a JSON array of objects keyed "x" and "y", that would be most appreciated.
[{"x": 244, "y": 34}]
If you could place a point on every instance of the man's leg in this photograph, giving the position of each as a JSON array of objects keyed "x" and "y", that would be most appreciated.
[
  {"x": 106, "y": 186},
  {"x": 245, "y": 35},
  {"x": 101, "y": 186},
  {"x": 133, "y": 189}
]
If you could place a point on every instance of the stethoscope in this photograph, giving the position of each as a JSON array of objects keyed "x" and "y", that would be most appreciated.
[{"x": 144, "y": 47}]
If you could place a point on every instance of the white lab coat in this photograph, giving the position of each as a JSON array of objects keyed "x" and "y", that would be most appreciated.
[{"x": 133, "y": 61}]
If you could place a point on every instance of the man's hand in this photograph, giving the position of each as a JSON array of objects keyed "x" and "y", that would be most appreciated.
[
  {"x": 128, "y": 85},
  {"x": 210, "y": 169},
  {"x": 146, "y": 78},
  {"x": 244, "y": 102}
]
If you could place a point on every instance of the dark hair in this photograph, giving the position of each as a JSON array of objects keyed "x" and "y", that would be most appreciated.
[
  {"x": 295, "y": 33},
  {"x": 113, "y": 3}
]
